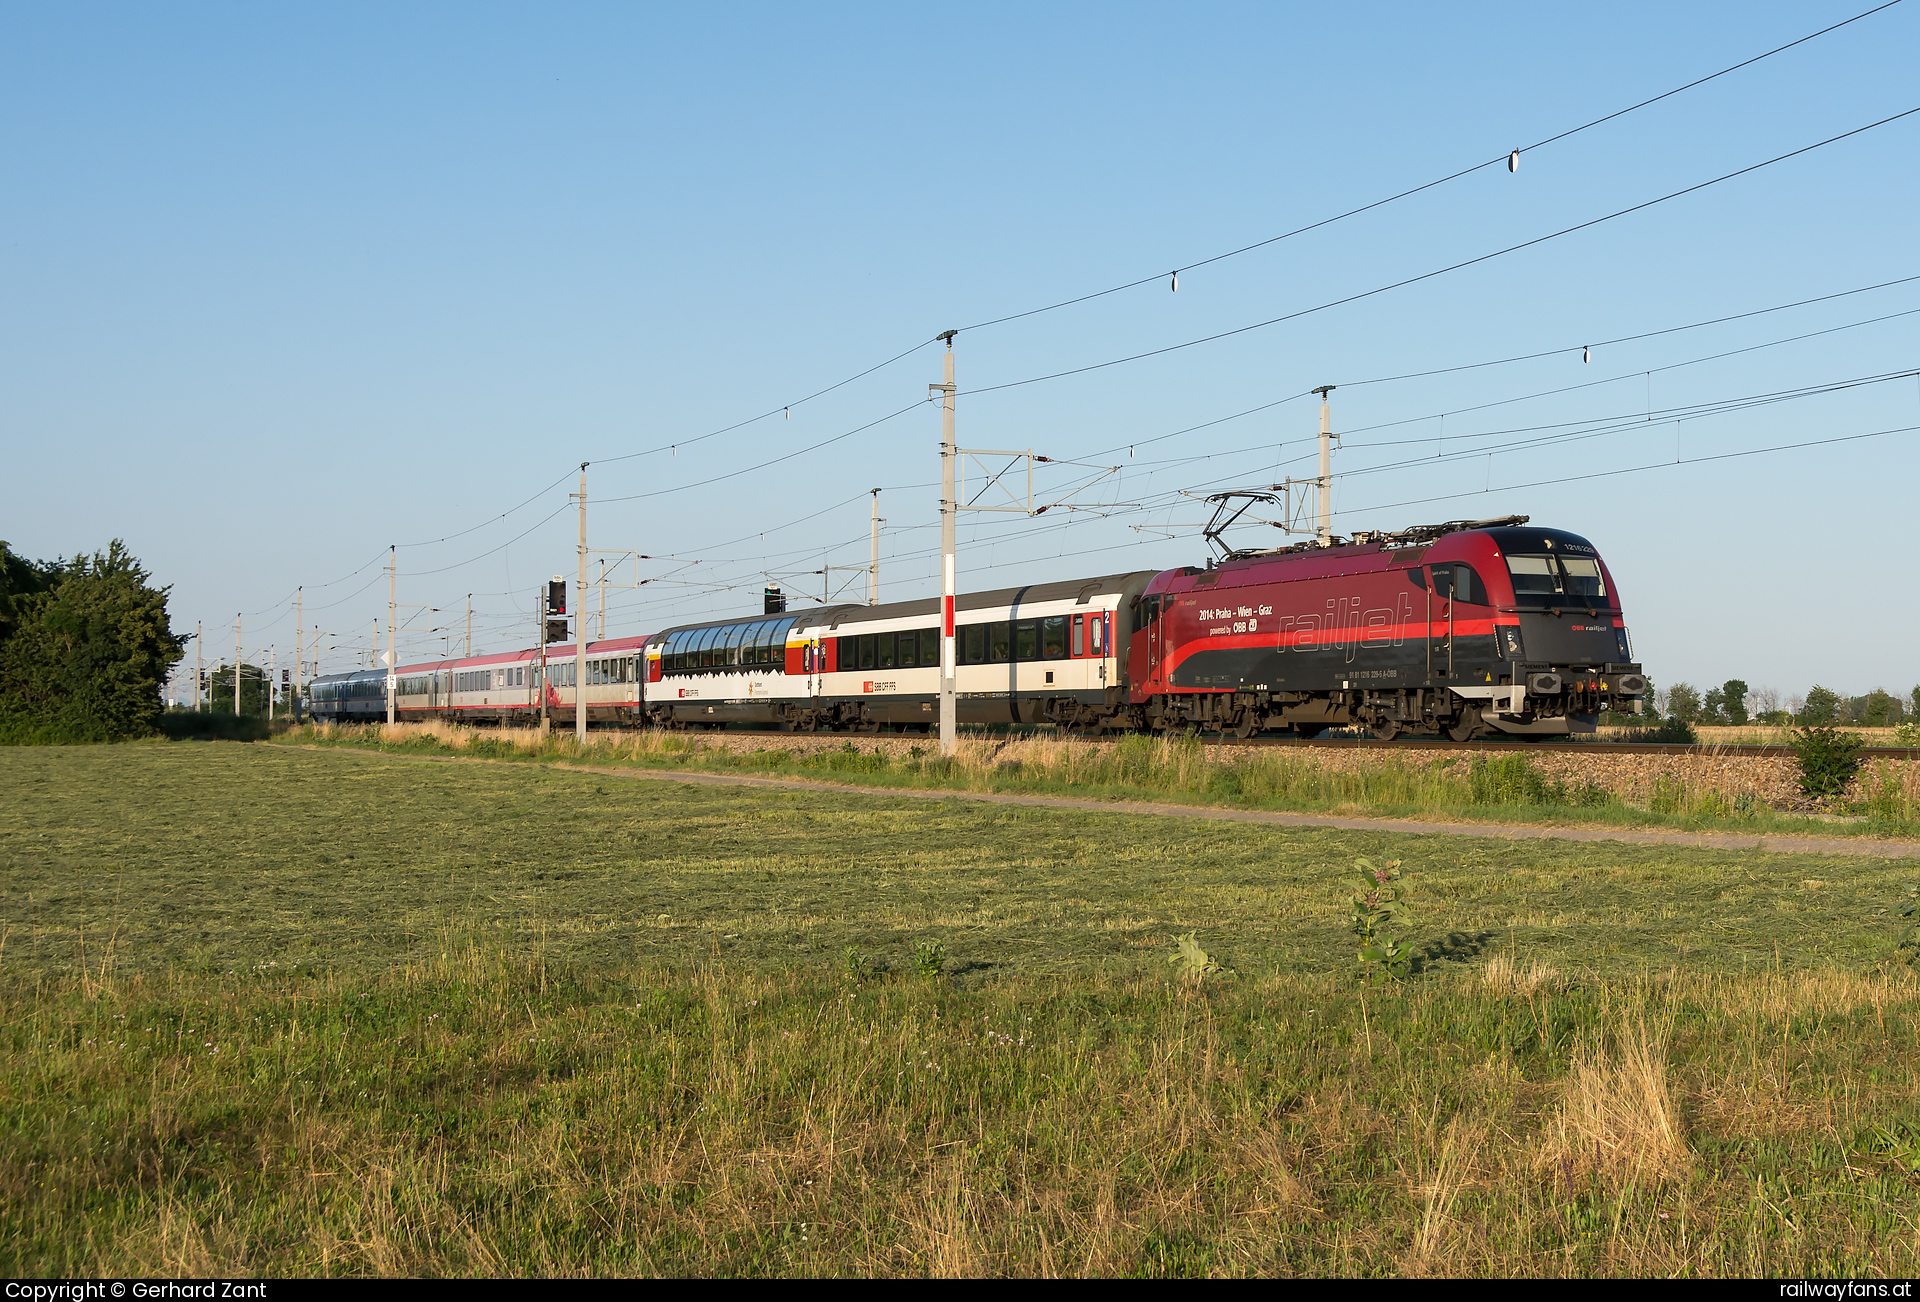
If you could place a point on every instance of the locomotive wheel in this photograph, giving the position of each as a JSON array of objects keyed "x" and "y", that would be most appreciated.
[
  {"x": 1248, "y": 725},
  {"x": 1386, "y": 729},
  {"x": 1467, "y": 727}
]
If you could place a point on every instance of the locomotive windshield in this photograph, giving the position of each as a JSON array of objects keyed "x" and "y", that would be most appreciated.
[{"x": 1550, "y": 579}]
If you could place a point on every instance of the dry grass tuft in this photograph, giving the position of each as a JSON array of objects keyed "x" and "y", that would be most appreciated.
[
  {"x": 1617, "y": 1118},
  {"x": 1504, "y": 975},
  {"x": 1439, "y": 1193}
]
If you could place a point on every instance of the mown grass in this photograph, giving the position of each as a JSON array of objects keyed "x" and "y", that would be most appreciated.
[
  {"x": 477, "y": 1112},
  {"x": 1500, "y": 788},
  {"x": 277, "y": 1011},
  {"x": 222, "y": 856}
]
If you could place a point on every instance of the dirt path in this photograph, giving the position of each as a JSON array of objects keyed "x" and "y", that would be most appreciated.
[{"x": 1702, "y": 840}]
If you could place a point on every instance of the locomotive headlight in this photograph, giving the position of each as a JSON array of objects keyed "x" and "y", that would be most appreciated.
[{"x": 1510, "y": 639}]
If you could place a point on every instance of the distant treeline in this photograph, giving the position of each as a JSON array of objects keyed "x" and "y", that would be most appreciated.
[
  {"x": 85, "y": 647},
  {"x": 1734, "y": 704}
]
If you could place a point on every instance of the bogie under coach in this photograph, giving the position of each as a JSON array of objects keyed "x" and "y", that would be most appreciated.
[{"x": 1467, "y": 629}]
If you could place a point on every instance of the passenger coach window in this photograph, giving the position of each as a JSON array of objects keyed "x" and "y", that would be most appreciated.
[
  {"x": 999, "y": 643},
  {"x": 973, "y": 644},
  {"x": 929, "y": 646},
  {"x": 1025, "y": 640},
  {"x": 1053, "y": 638},
  {"x": 909, "y": 650},
  {"x": 886, "y": 647},
  {"x": 1079, "y": 637},
  {"x": 867, "y": 650}
]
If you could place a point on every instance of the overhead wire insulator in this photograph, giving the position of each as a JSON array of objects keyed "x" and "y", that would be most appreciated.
[
  {"x": 1176, "y": 282},
  {"x": 1513, "y": 161},
  {"x": 1586, "y": 354}
]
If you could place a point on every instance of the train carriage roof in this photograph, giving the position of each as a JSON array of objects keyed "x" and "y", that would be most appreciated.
[{"x": 831, "y": 617}]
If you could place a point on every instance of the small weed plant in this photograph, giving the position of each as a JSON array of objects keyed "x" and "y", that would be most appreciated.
[
  {"x": 1193, "y": 963},
  {"x": 930, "y": 959},
  {"x": 1379, "y": 909}
]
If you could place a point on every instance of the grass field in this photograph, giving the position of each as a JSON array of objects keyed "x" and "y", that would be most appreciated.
[
  {"x": 269, "y": 1010},
  {"x": 1701, "y": 795}
]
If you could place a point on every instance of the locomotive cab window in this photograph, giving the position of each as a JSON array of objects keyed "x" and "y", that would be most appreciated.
[
  {"x": 1459, "y": 583},
  {"x": 1552, "y": 580}
]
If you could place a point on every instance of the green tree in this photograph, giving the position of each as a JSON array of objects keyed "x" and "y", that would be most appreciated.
[
  {"x": 1712, "y": 705},
  {"x": 85, "y": 650},
  {"x": 21, "y": 578},
  {"x": 1733, "y": 702},
  {"x": 1877, "y": 709},
  {"x": 1822, "y": 706},
  {"x": 253, "y": 690},
  {"x": 1683, "y": 703}
]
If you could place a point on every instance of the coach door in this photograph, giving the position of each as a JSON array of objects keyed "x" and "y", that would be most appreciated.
[
  {"x": 1440, "y": 621},
  {"x": 1156, "y": 637}
]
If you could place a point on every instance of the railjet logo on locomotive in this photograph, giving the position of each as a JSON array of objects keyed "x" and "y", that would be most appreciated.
[{"x": 1467, "y": 629}]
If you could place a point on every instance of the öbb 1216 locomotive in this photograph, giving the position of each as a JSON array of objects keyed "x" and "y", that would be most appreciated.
[{"x": 1468, "y": 629}]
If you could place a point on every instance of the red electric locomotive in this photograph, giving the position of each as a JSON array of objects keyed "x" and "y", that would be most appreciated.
[{"x": 1468, "y": 628}]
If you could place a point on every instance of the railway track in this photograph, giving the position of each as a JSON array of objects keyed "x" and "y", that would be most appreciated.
[
  {"x": 1483, "y": 746},
  {"x": 1552, "y": 748}
]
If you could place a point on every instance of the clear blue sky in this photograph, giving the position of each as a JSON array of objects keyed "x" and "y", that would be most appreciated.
[{"x": 279, "y": 287}]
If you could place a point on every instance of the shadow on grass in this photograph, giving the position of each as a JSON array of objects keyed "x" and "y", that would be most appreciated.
[{"x": 1454, "y": 947}]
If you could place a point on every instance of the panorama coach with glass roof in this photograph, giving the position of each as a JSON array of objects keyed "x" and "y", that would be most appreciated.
[{"x": 1468, "y": 629}]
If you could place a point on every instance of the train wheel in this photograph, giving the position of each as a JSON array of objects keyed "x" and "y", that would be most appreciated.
[
  {"x": 1248, "y": 725},
  {"x": 1467, "y": 728},
  {"x": 1386, "y": 729}
]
